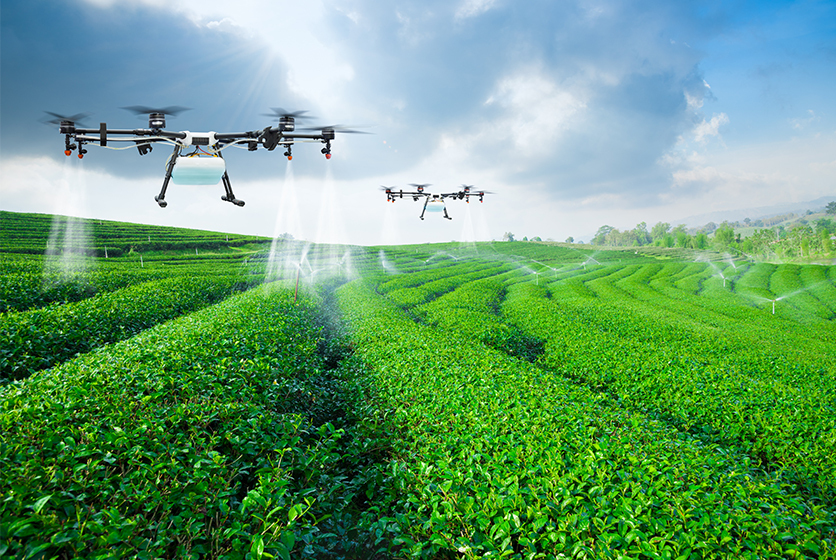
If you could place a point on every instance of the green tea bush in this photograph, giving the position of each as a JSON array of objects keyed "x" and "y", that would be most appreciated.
[
  {"x": 38, "y": 339},
  {"x": 766, "y": 390},
  {"x": 492, "y": 456},
  {"x": 191, "y": 439}
]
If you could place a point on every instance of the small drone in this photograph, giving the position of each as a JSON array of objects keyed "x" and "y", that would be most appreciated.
[
  {"x": 197, "y": 158},
  {"x": 434, "y": 202}
]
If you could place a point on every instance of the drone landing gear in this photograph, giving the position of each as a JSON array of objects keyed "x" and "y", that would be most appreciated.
[
  {"x": 229, "y": 196},
  {"x": 160, "y": 198}
]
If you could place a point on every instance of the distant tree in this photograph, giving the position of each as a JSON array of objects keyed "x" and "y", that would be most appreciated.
[
  {"x": 642, "y": 236},
  {"x": 831, "y": 207},
  {"x": 659, "y": 231},
  {"x": 525, "y": 238},
  {"x": 826, "y": 224},
  {"x": 601, "y": 235},
  {"x": 709, "y": 227},
  {"x": 536, "y": 238},
  {"x": 825, "y": 241},
  {"x": 747, "y": 221},
  {"x": 724, "y": 236},
  {"x": 508, "y": 236},
  {"x": 570, "y": 239},
  {"x": 747, "y": 245},
  {"x": 762, "y": 242},
  {"x": 701, "y": 240}
]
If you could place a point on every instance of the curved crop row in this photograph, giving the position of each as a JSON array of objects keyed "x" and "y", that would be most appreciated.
[
  {"x": 38, "y": 339},
  {"x": 437, "y": 271},
  {"x": 174, "y": 443},
  {"x": 432, "y": 288},
  {"x": 473, "y": 311},
  {"x": 27, "y": 290},
  {"x": 778, "y": 408},
  {"x": 494, "y": 455}
]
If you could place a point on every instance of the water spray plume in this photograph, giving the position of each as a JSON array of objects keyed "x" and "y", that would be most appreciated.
[{"x": 69, "y": 237}]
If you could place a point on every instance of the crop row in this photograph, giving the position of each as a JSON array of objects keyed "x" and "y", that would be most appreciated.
[
  {"x": 40, "y": 338},
  {"x": 474, "y": 311},
  {"x": 184, "y": 441},
  {"x": 660, "y": 290},
  {"x": 495, "y": 455},
  {"x": 25, "y": 290},
  {"x": 726, "y": 387},
  {"x": 439, "y": 270}
]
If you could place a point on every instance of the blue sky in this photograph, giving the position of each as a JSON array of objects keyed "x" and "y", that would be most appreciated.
[{"x": 574, "y": 113}]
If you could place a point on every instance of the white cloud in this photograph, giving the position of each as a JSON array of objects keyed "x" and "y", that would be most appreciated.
[
  {"x": 802, "y": 123},
  {"x": 706, "y": 129},
  {"x": 535, "y": 110},
  {"x": 694, "y": 103},
  {"x": 473, "y": 8}
]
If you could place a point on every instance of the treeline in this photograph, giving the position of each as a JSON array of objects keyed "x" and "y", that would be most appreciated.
[{"x": 798, "y": 240}]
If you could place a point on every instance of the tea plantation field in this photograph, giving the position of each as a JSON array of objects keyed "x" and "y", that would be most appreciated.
[{"x": 510, "y": 400}]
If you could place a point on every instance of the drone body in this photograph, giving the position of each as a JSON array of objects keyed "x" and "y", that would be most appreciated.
[
  {"x": 197, "y": 157},
  {"x": 434, "y": 202}
]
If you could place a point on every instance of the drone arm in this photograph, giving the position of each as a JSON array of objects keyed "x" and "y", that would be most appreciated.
[
  {"x": 295, "y": 136},
  {"x": 227, "y": 136},
  {"x": 144, "y": 132}
]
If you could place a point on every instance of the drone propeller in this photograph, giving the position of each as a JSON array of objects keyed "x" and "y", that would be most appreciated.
[
  {"x": 156, "y": 117},
  {"x": 279, "y": 113},
  {"x": 287, "y": 119},
  {"x": 342, "y": 129},
  {"x": 58, "y": 119},
  {"x": 419, "y": 186},
  {"x": 172, "y": 110}
]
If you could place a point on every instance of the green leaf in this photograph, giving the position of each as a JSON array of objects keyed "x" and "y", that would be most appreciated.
[
  {"x": 284, "y": 553},
  {"x": 288, "y": 539},
  {"x": 257, "y": 547},
  {"x": 41, "y": 502}
]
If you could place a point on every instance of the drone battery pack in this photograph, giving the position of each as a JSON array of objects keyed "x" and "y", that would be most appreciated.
[{"x": 196, "y": 170}]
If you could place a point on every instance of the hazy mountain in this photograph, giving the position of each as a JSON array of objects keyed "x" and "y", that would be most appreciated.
[{"x": 755, "y": 213}]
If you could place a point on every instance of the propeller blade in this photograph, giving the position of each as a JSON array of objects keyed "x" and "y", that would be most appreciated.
[
  {"x": 58, "y": 119},
  {"x": 342, "y": 129},
  {"x": 278, "y": 112},
  {"x": 420, "y": 186},
  {"x": 171, "y": 111}
]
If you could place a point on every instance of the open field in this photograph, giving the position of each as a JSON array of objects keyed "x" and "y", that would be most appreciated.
[{"x": 510, "y": 400}]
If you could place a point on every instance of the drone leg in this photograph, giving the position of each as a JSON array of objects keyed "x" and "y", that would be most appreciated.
[
  {"x": 229, "y": 196},
  {"x": 160, "y": 198},
  {"x": 426, "y": 200},
  {"x": 445, "y": 214}
]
